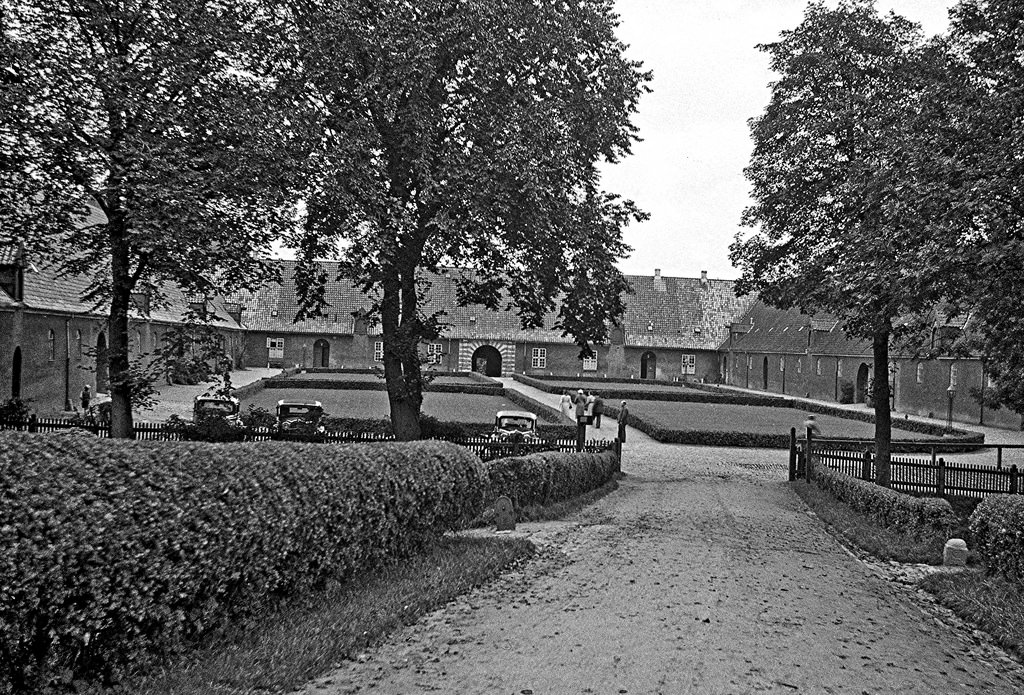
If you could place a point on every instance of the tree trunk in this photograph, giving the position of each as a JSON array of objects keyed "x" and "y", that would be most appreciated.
[
  {"x": 404, "y": 391},
  {"x": 117, "y": 326},
  {"x": 883, "y": 414}
]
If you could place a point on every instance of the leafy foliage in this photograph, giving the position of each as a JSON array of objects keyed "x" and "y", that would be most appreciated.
[
  {"x": 997, "y": 527},
  {"x": 114, "y": 553},
  {"x": 548, "y": 477},
  {"x": 467, "y": 134}
]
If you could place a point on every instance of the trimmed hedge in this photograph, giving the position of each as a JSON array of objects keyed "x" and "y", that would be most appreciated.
[
  {"x": 997, "y": 528},
  {"x": 114, "y": 553},
  {"x": 642, "y": 395},
  {"x": 548, "y": 477},
  {"x": 915, "y": 516},
  {"x": 337, "y": 385}
]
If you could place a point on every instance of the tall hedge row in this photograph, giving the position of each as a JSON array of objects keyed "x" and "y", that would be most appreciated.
[
  {"x": 997, "y": 528},
  {"x": 920, "y": 516},
  {"x": 549, "y": 476},
  {"x": 112, "y": 552}
]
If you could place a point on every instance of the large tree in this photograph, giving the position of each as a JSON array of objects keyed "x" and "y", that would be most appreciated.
[
  {"x": 855, "y": 182},
  {"x": 467, "y": 133},
  {"x": 169, "y": 116},
  {"x": 989, "y": 34}
]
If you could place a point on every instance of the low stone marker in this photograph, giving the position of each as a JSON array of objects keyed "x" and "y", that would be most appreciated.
[
  {"x": 504, "y": 516},
  {"x": 955, "y": 553}
]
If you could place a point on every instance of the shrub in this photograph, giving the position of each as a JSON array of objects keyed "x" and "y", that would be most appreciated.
[
  {"x": 846, "y": 391},
  {"x": 548, "y": 477},
  {"x": 113, "y": 553},
  {"x": 914, "y": 516},
  {"x": 997, "y": 530},
  {"x": 14, "y": 409},
  {"x": 255, "y": 416},
  {"x": 211, "y": 428}
]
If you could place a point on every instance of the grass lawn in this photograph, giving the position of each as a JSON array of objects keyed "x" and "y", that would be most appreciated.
[
  {"x": 447, "y": 407},
  {"x": 306, "y": 637},
  {"x": 722, "y": 417}
]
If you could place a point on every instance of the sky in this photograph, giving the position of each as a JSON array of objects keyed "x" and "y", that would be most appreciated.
[{"x": 709, "y": 80}]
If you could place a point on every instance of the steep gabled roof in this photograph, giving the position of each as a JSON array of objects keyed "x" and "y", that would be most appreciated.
[{"x": 789, "y": 331}]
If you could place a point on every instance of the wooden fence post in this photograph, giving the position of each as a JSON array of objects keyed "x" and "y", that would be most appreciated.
[
  {"x": 33, "y": 423},
  {"x": 865, "y": 466},
  {"x": 792, "y": 453},
  {"x": 1014, "y": 482},
  {"x": 940, "y": 478},
  {"x": 581, "y": 433},
  {"x": 809, "y": 456}
]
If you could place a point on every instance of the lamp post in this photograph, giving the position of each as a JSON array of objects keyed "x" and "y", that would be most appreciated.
[{"x": 951, "y": 393}]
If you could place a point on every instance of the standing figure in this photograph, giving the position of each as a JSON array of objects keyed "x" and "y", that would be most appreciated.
[
  {"x": 565, "y": 405},
  {"x": 597, "y": 409},
  {"x": 86, "y": 397},
  {"x": 581, "y": 405},
  {"x": 623, "y": 417}
]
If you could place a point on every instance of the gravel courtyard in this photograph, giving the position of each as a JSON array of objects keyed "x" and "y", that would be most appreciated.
[{"x": 703, "y": 573}]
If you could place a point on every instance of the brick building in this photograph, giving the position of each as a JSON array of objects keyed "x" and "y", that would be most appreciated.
[
  {"x": 671, "y": 330},
  {"x": 787, "y": 352}
]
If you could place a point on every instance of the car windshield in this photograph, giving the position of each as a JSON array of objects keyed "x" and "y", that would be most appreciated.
[
  {"x": 298, "y": 410},
  {"x": 225, "y": 407},
  {"x": 519, "y": 424}
]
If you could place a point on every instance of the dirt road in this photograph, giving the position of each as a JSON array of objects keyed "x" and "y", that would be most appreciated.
[{"x": 703, "y": 573}]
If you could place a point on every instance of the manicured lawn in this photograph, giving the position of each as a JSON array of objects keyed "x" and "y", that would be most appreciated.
[
  {"x": 447, "y": 407},
  {"x": 720, "y": 417}
]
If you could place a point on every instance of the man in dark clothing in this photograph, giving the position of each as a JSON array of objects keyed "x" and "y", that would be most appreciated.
[
  {"x": 598, "y": 409},
  {"x": 623, "y": 416},
  {"x": 86, "y": 397}
]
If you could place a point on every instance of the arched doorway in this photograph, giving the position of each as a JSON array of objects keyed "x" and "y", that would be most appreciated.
[
  {"x": 861, "y": 394},
  {"x": 321, "y": 353},
  {"x": 16, "y": 374},
  {"x": 487, "y": 360},
  {"x": 648, "y": 366},
  {"x": 101, "y": 364},
  {"x": 764, "y": 374}
]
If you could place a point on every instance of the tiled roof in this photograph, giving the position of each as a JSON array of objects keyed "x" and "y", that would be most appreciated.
[
  {"x": 9, "y": 254},
  {"x": 688, "y": 313},
  {"x": 789, "y": 331}
]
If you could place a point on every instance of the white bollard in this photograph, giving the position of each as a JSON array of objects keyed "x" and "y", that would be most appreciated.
[{"x": 955, "y": 553}]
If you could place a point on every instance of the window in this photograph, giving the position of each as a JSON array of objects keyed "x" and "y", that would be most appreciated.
[
  {"x": 434, "y": 353},
  {"x": 275, "y": 347},
  {"x": 750, "y": 362},
  {"x": 782, "y": 364},
  {"x": 817, "y": 366},
  {"x": 51, "y": 346},
  {"x": 590, "y": 364},
  {"x": 689, "y": 365},
  {"x": 990, "y": 381},
  {"x": 920, "y": 372},
  {"x": 378, "y": 351},
  {"x": 839, "y": 367},
  {"x": 953, "y": 369},
  {"x": 799, "y": 365},
  {"x": 81, "y": 346},
  {"x": 138, "y": 341},
  {"x": 539, "y": 358}
]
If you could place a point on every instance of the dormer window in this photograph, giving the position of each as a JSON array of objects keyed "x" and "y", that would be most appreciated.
[{"x": 12, "y": 272}]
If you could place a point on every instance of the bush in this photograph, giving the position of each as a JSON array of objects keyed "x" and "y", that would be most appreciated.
[
  {"x": 14, "y": 409},
  {"x": 211, "y": 428},
  {"x": 846, "y": 391},
  {"x": 548, "y": 477},
  {"x": 113, "y": 553},
  {"x": 997, "y": 530},
  {"x": 914, "y": 516}
]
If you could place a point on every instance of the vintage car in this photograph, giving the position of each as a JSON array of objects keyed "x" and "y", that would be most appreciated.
[
  {"x": 216, "y": 406},
  {"x": 299, "y": 417},
  {"x": 515, "y": 426},
  {"x": 98, "y": 411}
]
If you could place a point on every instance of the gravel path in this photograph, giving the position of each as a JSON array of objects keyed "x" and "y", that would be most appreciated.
[{"x": 703, "y": 573}]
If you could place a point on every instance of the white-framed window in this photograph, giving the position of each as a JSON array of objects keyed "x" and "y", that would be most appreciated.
[
  {"x": 817, "y": 366},
  {"x": 839, "y": 368},
  {"x": 275, "y": 348},
  {"x": 378, "y": 351},
  {"x": 81, "y": 346},
  {"x": 782, "y": 363},
  {"x": 920, "y": 372},
  {"x": 953, "y": 374},
  {"x": 51, "y": 343},
  {"x": 799, "y": 365},
  {"x": 689, "y": 364},
  {"x": 138, "y": 342},
  {"x": 750, "y": 362},
  {"x": 590, "y": 364},
  {"x": 539, "y": 358},
  {"x": 434, "y": 353}
]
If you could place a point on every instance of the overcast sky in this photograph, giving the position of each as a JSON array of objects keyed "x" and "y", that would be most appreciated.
[{"x": 708, "y": 81}]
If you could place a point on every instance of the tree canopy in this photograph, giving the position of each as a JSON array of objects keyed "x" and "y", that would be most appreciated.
[
  {"x": 172, "y": 117},
  {"x": 856, "y": 184},
  {"x": 467, "y": 133}
]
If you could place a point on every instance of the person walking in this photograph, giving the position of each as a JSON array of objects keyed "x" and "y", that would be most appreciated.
[
  {"x": 597, "y": 409},
  {"x": 590, "y": 407},
  {"x": 581, "y": 405},
  {"x": 565, "y": 405},
  {"x": 85, "y": 397}
]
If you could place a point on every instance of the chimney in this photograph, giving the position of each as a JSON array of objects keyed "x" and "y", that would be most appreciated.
[
  {"x": 659, "y": 282},
  {"x": 657, "y": 273},
  {"x": 703, "y": 276}
]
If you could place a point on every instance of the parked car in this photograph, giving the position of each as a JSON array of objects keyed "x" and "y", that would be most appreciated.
[
  {"x": 99, "y": 410},
  {"x": 226, "y": 407},
  {"x": 299, "y": 417},
  {"x": 515, "y": 426}
]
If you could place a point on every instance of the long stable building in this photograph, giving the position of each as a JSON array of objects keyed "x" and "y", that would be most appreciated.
[{"x": 52, "y": 341}]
